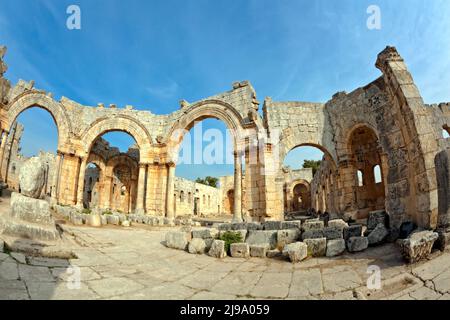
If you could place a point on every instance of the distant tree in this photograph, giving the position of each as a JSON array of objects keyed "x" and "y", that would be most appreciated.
[
  {"x": 313, "y": 164},
  {"x": 209, "y": 181}
]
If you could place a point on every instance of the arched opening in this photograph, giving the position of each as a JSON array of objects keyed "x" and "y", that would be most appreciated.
[
  {"x": 308, "y": 180},
  {"x": 205, "y": 159},
  {"x": 110, "y": 177},
  {"x": 33, "y": 132},
  {"x": 367, "y": 161}
]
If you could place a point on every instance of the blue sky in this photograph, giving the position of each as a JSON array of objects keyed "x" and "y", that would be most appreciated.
[{"x": 151, "y": 54}]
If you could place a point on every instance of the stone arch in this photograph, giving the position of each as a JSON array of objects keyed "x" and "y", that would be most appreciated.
[
  {"x": 290, "y": 196},
  {"x": 38, "y": 99},
  {"x": 215, "y": 109},
  {"x": 291, "y": 146},
  {"x": 118, "y": 123},
  {"x": 122, "y": 159}
]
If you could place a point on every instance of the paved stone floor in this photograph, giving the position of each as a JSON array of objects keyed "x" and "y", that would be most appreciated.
[{"x": 132, "y": 263}]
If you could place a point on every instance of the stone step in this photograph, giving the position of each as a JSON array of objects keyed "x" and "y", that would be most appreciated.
[{"x": 17, "y": 227}]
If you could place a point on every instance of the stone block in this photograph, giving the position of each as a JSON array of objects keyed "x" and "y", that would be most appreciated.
[
  {"x": 217, "y": 249},
  {"x": 177, "y": 240},
  {"x": 197, "y": 246},
  {"x": 296, "y": 252},
  {"x": 316, "y": 247},
  {"x": 295, "y": 224},
  {"x": 208, "y": 243},
  {"x": 30, "y": 209},
  {"x": 378, "y": 235},
  {"x": 254, "y": 226},
  {"x": 32, "y": 177},
  {"x": 243, "y": 233},
  {"x": 337, "y": 223},
  {"x": 239, "y": 250},
  {"x": 224, "y": 226},
  {"x": 418, "y": 246},
  {"x": 356, "y": 244},
  {"x": 333, "y": 232},
  {"x": 126, "y": 223},
  {"x": 76, "y": 219},
  {"x": 275, "y": 253},
  {"x": 335, "y": 247},
  {"x": 310, "y": 225},
  {"x": 259, "y": 251},
  {"x": 443, "y": 239},
  {"x": 238, "y": 226},
  {"x": 377, "y": 217},
  {"x": 285, "y": 237},
  {"x": 2, "y": 246},
  {"x": 354, "y": 230},
  {"x": 312, "y": 234},
  {"x": 262, "y": 237},
  {"x": 272, "y": 225},
  {"x": 112, "y": 219},
  {"x": 94, "y": 220},
  {"x": 207, "y": 233}
]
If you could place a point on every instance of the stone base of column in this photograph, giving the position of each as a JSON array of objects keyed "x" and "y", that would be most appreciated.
[
  {"x": 237, "y": 220},
  {"x": 79, "y": 206}
]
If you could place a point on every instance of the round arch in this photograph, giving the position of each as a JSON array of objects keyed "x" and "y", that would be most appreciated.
[
  {"x": 326, "y": 153},
  {"x": 122, "y": 159},
  {"x": 38, "y": 99},
  {"x": 119, "y": 123}
]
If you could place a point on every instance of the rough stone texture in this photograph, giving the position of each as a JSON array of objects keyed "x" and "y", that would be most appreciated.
[
  {"x": 312, "y": 234},
  {"x": 30, "y": 209},
  {"x": 197, "y": 246},
  {"x": 258, "y": 251},
  {"x": 287, "y": 236},
  {"x": 312, "y": 225},
  {"x": 2, "y": 246},
  {"x": 262, "y": 237},
  {"x": 418, "y": 246},
  {"x": 125, "y": 223},
  {"x": 239, "y": 250},
  {"x": 296, "y": 252},
  {"x": 335, "y": 247},
  {"x": 243, "y": 233},
  {"x": 356, "y": 244},
  {"x": 272, "y": 225},
  {"x": 254, "y": 226},
  {"x": 177, "y": 240},
  {"x": 354, "y": 230},
  {"x": 337, "y": 223},
  {"x": 378, "y": 235},
  {"x": 274, "y": 253},
  {"x": 207, "y": 233},
  {"x": 377, "y": 217},
  {"x": 112, "y": 219},
  {"x": 295, "y": 224},
  {"x": 443, "y": 240},
  {"x": 32, "y": 177},
  {"x": 94, "y": 220},
  {"x": 316, "y": 247},
  {"x": 217, "y": 249},
  {"x": 333, "y": 232}
]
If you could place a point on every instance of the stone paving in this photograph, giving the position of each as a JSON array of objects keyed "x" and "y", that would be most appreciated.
[{"x": 133, "y": 263}]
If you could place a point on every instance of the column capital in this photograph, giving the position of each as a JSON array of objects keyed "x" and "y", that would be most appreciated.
[{"x": 171, "y": 164}]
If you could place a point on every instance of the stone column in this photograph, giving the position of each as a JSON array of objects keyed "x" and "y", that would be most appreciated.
[
  {"x": 56, "y": 170},
  {"x": 141, "y": 189},
  {"x": 237, "y": 210},
  {"x": 80, "y": 186},
  {"x": 170, "y": 190},
  {"x": 2, "y": 151}
]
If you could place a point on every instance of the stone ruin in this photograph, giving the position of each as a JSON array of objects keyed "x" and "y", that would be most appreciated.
[{"x": 30, "y": 217}]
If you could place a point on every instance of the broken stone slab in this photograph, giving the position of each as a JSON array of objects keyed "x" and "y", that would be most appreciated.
[
  {"x": 333, "y": 232},
  {"x": 272, "y": 225},
  {"x": 356, "y": 244},
  {"x": 30, "y": 209},
  {"x": 354, "y": 230},
  {"x": 294, "y": 224},
  {"x": 337, "y": 223},
  {"x": 377, "y": 217},
  {"x": 238, "y": 226},
  {"x": 206, "y": 233},
  {"x": 76, "y": 219},
  {"x": 335, "y": 247},
  {"x": 125, "y": 223},
  {"x": 28, "y": 230},
  {"x": 316, "y": 247},
  {"x": 177, "y": 240},
  {"x": 94, "y": 220},
  {"x": 217, "y": 249},
  {"x": 104, "y": 220},
  {"x": 239, "y": 250},
  {"x": 418, "y": 246},
  {"x": 19, "y": 257},
  {"x": 378, "y": 235},
  {"x": 287, "y": 236},
  {"x": 208, "y": 243},
  {"x": 275, "y": 253},
  {"x": 262, "y": 237},
  {"x": 310, "y": 225},
  {"x": 197, "y": 246},
  {"x": 296, "y": 251},
  {"x": 258, "y": 251},
  {"x": 312, "y": 234},
  {"x": 32, "y": 177},
  {"x": 113, "y": 219}
]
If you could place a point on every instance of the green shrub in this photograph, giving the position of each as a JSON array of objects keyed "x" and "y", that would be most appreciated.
[
  {"x": 230, "y": 237},
  {"x": 107, "y": 212},
  {"x": 86, "y": 211}
]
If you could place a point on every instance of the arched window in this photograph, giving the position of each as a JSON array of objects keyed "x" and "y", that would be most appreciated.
[
  {"x": 445, "y": 133},
  {"x": 377, "y": 173},
  {"x": 359, "y": 176},
  {"x": 209, "y": 201},
  {"x": 181, "y": 196},
  {"x": 189, "y": 197},
  {"x": 204, "y": 199}
]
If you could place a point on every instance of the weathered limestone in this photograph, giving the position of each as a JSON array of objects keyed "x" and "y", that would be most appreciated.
[
  {"x": 32, "y": 177},
  {"x": 356, "y": 244},
  {"x": 335, "y": 247},
  {"x": 378, "y": 235},
  {"x": 177, "y": 239},
  {"x": 207, "y": 233},
  {"x": 259, "y": 251},
  {"x": 312, "y": 234},
  {"x": 272, "y": 225},
  {"x": 274, "y": 253},
  {"x": 354, "y": 230},
  {"x": 94, "y": 220},
  {"x": 197, "y": 246},
  {"x": 240, "y": 250},
  {"x": 309, "y": 225},
  {"x": 377, "y": 217},
  {"x": 287, "y": 236},
  {"x": 316, "y": 247},
  {"x": 261, "y": 237},
  {"x": 217, "y": 249},
  {"x": 418, "y": 246},
  {"x": 29, "y": 209},
  {"x": 296, "y": 252}
]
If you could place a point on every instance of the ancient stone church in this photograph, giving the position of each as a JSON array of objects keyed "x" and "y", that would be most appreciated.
[{"x": 384, "y": 149}]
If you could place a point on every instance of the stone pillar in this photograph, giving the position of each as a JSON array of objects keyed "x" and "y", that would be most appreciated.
[
  {"x": 2, "y": 151},
  {"x": 141, "y": 189},
  {"x": 80, "y": 185},
  {"x": 237, "y": 210},
  {"x": 170, "y": 213},
  {"x": 56, "y": 170}
]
